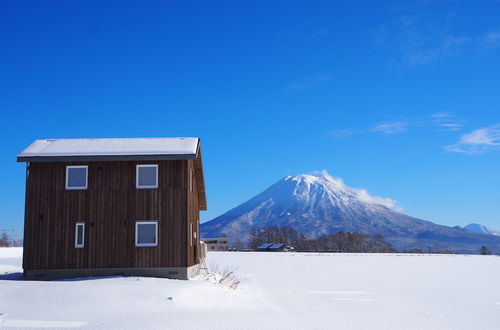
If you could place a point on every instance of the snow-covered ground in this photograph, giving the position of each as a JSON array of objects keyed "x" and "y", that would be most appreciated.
[{"x": 278, "y": 291}]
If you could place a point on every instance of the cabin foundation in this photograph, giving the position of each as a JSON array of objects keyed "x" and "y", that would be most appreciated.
[{"x": 178, "y": 273}]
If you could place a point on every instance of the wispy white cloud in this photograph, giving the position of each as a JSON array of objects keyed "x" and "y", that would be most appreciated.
[
  {"x": 342, "y": 133},
  {"x": 444, "y": 121},
  {"x": 439, "y": 121},
  {"x": 440, "y": 115},
  {"x": 448, "y": 47},
  {"x": 390, "y": 128},
  {"x": 450, "y": 126},
  {"x": 307, "y": 83},
  {"x": 491, "y": 39},
  {"x": 366, "y": 197},
  {"x": 478, "y": 141},
  {"x": 361, "y": 193},
  {"x": 419, "y": 37}
]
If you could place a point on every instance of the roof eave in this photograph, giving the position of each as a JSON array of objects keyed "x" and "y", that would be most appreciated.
[
  {"x": 103, "y": 158},
  {"x": 200, "y": 180}
]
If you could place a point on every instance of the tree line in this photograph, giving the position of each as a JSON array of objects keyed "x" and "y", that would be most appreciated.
[
  {"x": 335, "y": 242},
  {"x": 4, "y": 239}
]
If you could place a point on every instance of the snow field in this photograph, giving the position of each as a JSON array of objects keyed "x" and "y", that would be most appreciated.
[{"x": 278, "y": 291}]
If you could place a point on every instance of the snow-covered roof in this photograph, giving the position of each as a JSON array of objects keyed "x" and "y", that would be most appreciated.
[{"x": 110, "y": 149}]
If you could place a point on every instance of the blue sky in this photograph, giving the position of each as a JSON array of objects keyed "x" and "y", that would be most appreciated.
[{"x": 399, "y": 98}]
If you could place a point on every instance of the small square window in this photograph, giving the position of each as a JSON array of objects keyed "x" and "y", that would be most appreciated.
[
  {"x": 79, "y": 234},
  {"x": 147, "y": 176},
  {"x": 146, "y": 233},
  {"x": 76, "y": 177}
]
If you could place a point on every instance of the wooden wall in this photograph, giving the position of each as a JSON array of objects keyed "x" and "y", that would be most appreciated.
[
  {"x": 109, "y": 207},
  {"x": 193, "y": 215}
]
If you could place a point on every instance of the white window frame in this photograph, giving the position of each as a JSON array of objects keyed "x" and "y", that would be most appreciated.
[
  {"x": 78, "y": 224},
  {"x": 191, "y": 234},
  {"x": 137, "y": 176},
  {"x": 141, "y": 222},
  {"x": 191, "y": 180},
  {"x": 86, "y": 177}
]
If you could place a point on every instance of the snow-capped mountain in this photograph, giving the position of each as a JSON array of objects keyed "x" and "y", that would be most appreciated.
[
  {"x": 480, "y": 229},
  {"x": 318, "y": 204}
]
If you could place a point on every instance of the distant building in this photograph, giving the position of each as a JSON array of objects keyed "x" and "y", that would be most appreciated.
[
  {"x": 275, "y": 247},
  {"x": 217, "y": 244}
]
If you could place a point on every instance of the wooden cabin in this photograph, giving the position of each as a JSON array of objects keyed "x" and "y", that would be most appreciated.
[{"x": 108, "y": 207}]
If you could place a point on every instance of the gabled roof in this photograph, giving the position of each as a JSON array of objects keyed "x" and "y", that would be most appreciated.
[
  {"x": 110, "y": 149},
  {"x": 264, "y": 246}
]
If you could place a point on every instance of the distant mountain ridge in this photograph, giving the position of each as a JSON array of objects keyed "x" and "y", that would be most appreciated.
[
  {"x": 480, "y": 229},
  {"x": 320, "y": 204}
]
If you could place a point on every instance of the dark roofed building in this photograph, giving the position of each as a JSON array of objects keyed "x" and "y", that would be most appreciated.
[
  {"x": 264, "y": 247},
  {"x": 275, "y": 247}
]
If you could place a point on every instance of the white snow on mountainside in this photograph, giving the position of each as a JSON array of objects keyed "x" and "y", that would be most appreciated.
[
  {"x": 480, "y": 229},
  {"x": 318, "y": 204},
  {"x": 336, "y": 190}
]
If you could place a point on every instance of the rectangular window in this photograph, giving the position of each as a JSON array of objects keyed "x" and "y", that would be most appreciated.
[
  {"x": 79, "y": 234},
  {"x": 190, "y": 180},
  {"x": 191, "y": 234},
  {"x": 76, "y": 177},
  {"x": 146, "y": 233},
  {"x": 146, "y": 176}
]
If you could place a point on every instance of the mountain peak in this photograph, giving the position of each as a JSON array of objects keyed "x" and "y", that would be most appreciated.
[
  {"x": 319, "y": 177},
  {"x": 481, "y": 229},
  {"x": 317, "y": 204},
  {"x": 338, "y": 189}
]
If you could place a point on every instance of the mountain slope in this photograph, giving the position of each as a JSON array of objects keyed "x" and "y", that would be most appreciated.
[{"x": 320, "y": 204}]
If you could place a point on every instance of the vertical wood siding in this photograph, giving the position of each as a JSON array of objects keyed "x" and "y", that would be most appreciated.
[
  {"x": 193, "y": 215},
  {"x": 109, "y": 207}
]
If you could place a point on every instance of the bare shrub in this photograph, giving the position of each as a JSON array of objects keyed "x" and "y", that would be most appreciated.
[{"x": 223, "y": 276}]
